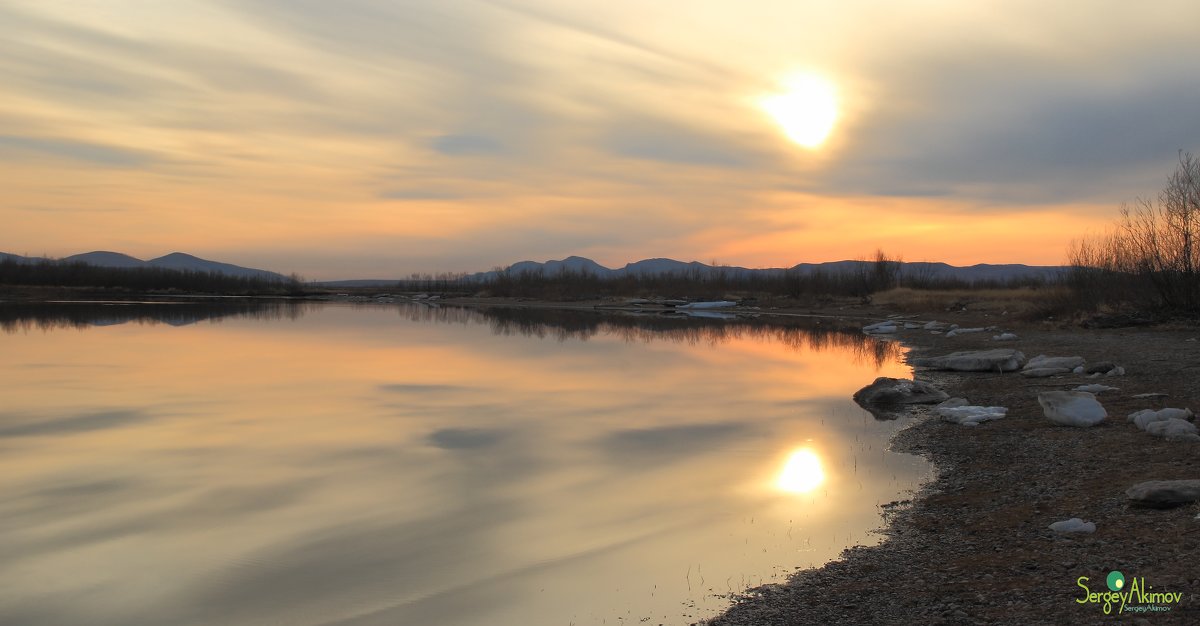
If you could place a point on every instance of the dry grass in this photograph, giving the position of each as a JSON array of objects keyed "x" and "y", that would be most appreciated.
[{"x": 1023, "y": 302}]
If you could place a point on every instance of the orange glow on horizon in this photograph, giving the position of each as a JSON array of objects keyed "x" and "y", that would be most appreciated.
[
  {"x": 844, "y": 229},
  {"x": 911, "y": 229}
]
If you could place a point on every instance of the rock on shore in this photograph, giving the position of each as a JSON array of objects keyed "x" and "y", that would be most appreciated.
[
  {"x": 1164, "y": 493},
  {"x": 886, "y": 391}
]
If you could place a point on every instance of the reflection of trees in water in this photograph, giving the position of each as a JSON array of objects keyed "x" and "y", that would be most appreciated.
[
  {"x": 560, "y": 324},
  {"x": 798, "y": 333},
  {"x": 18, "y": 317}
]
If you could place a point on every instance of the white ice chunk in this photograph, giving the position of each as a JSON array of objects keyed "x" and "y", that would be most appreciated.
[
  {"x": 997, "y": 360},
  {"x": 719, "y": 304},
  {"x": 956, "y": 410},
  {"x": 1073, "y": 525},
  {"x": 1043, "y": 372},
  {"x": 1145, "y": 417},
  {"x": 1071, "y": 408},
  {"x": 1173, "y": 429},
  {"x": 1005, "y": 337},
  {"x": 1041, "y": 360},
  {"x": 715, "y": 315},
  {"x": 1094, "y": 388}
]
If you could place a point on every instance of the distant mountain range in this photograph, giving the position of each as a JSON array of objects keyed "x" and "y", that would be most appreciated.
[
  {"x": 920, "y": 269},
  {"x": 645, "y": 267},
  {"x": 173, "y": 261},
  {"x": 649, "y": 267}
]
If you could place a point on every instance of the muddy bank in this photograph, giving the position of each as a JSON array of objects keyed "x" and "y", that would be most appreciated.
[{"x": 974, "y": 546}]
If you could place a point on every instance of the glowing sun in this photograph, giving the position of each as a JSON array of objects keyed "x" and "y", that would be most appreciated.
[
  {"x": 801, "y": 473},
  {"x": 806, "y": 109}
]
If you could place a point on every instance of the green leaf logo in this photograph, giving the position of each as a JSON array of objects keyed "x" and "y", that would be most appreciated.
[{"x": 1116, "y": 580}]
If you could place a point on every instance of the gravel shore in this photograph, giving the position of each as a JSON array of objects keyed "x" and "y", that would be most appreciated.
[{"x": 974, "y": 548}]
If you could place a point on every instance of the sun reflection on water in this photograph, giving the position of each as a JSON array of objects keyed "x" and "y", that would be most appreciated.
[{"x": 802, "y": 472}]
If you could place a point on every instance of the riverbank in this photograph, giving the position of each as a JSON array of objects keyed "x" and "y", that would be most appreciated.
[{"x": 974, "y": 546}]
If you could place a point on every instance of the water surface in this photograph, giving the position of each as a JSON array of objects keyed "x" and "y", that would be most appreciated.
[{"x": 332, "y": 464}]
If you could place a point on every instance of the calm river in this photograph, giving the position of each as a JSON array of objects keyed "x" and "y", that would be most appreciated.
[{"x": 166, "y": 464}]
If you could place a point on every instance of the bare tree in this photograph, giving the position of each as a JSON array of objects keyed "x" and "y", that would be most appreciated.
[
  {"x": 1152, "y": 246},
  {"x": 885, "y": 271}
]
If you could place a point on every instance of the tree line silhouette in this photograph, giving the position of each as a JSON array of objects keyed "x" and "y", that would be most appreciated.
[
  {"x": 867, "y": 278},
  {"x": 141, "y": 279}
]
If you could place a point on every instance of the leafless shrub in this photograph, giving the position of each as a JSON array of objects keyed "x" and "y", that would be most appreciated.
[{"x": 1150, "y": 258}]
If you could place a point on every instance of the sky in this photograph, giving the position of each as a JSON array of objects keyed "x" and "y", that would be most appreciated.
[{"x": 376, "y": 138}]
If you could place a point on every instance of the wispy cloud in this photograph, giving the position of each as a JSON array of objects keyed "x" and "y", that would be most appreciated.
[
  {"x": 466, "y": 145},
  {"x": 662, "y": 140},
  {"x": 14, "y": 426},
  {"x": 17, "y": 147},
  {"x": 408, "y": 135}
]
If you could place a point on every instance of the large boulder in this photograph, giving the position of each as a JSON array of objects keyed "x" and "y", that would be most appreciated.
[
  {"x": 892, "y": 391},
  {"x": 1071, "y": 408},
  {"x": 1164, "y": 493},
  {"x": 997, "y": 360}
]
